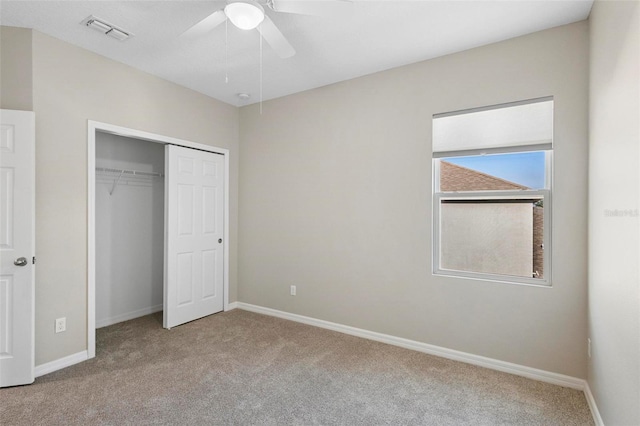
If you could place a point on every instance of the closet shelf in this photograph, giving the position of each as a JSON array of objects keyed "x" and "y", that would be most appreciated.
[{"x": 129, "y": 173}]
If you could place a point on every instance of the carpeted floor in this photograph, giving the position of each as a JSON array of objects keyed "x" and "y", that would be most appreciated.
[{"x": 241, "y": 368}]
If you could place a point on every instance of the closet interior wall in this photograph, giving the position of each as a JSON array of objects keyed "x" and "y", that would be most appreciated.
[{"x": 129, "y": 228}]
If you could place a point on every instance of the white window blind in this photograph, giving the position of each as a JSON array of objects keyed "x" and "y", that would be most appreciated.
[{"x": 519, "y": 126}]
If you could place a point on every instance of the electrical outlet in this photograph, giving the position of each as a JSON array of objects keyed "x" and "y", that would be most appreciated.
[
  {"x": 589, "y": 348},
  {"x": 61, "y": 325},
  {"x": 293, "y": 290}
]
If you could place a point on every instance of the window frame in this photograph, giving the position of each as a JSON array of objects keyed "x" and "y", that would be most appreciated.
[{"x": 545, "y": 194}]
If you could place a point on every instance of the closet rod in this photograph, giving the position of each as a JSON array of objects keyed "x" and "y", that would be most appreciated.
[{"x": 129, "y": 172}]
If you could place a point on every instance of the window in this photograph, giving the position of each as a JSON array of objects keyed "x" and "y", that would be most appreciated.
[{"x": 492, "y": 192}]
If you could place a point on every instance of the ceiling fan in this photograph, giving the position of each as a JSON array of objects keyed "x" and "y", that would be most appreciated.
[{"x": 252, "y": 14}]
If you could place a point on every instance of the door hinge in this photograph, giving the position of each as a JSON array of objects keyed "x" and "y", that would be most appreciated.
[{"x": 33, "y": 260}]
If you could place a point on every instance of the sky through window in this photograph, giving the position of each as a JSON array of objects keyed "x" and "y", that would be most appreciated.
[{"x": 525, "y": 168}]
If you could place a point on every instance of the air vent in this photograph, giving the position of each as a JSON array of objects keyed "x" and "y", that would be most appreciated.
[{"x": 106, "y": 28}]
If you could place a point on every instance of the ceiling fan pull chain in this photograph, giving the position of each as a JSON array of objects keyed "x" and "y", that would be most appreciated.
[
  {"x": 260, "y": 35},
  {"x": 226, "y": 51}
]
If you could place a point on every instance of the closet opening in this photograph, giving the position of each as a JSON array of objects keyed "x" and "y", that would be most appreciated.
[
  {"x": 129, "y": 218},
  {"x": 158, "y": 228}
]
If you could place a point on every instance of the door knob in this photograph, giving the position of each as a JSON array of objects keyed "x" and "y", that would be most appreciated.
[
  {"x": 21, "y": 261},
  {"x": 219, "y": 240}
]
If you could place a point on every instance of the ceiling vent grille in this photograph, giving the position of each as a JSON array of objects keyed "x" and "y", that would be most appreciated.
[{"x": 106, "y": 28}]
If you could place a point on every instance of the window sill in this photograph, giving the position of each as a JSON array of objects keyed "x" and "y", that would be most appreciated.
[{"x": 499, "y": 279}]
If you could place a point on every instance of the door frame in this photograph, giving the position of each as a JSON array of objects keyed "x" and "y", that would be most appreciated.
[{"x": 92, "y": 128}]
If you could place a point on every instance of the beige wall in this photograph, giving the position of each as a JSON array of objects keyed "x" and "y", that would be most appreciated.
[
  {"x": 16, "y": 81},
  {"x": 71, "y": 86},
  {"x": 335, "y": 196},
  {"x": 614, "y": 237}
]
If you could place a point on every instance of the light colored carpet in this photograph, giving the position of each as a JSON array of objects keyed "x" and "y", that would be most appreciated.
[{"x": 241, "y": 368}]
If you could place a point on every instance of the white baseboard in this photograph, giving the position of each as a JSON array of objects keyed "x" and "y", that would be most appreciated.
[
  {"x": 494, "y": 364},
  {"x": 61, "y": 363},
  {"x": 597, "y": 419},
  {"x": 231, "y": 306},
  {"x": 128, "y": 316}
]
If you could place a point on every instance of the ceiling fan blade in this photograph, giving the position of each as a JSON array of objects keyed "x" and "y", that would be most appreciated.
[
  {"x": 325, "y": 8},
  {"x": 206, "y": 25},
  {"x": 275, "y": 38}
]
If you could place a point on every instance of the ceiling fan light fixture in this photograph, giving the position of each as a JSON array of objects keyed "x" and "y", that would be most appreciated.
[{"x": 244, "y": 15}]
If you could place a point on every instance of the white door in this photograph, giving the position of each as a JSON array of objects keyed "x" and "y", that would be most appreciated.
[
  {"x": 194, "y": 248},
  {"x": 17, "y": 247}
]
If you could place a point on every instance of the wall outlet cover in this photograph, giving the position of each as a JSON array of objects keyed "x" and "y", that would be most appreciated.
[{"x": 61, "y": 325}]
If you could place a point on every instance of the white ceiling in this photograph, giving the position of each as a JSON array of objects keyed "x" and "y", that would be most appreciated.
[{"x": 373, "y": 36}]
